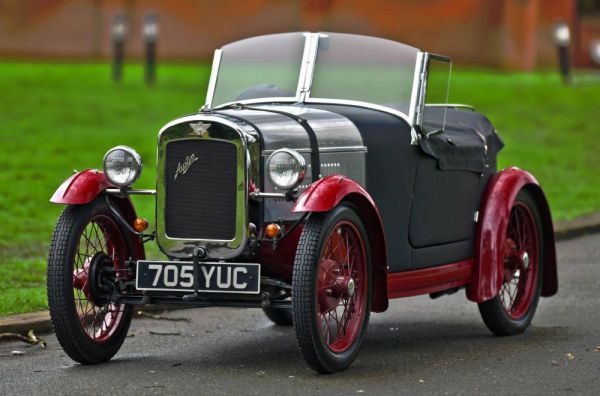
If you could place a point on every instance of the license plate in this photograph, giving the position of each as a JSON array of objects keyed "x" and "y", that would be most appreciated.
[{"x": 213, "y": 277}]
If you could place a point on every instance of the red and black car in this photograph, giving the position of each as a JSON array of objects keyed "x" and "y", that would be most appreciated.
[{"x": 325, "y": 175}]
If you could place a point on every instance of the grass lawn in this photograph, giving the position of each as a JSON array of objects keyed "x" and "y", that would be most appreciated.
[{"x": 56, "y": 118}]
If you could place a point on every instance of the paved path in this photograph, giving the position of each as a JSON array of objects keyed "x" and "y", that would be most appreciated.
[{"x": 419, "y": 346}]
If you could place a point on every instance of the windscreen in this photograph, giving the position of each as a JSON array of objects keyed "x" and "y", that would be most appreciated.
[
  {"x": 362, "y": 68},
  {"x": 436, "y": 98},
  {"x": 260, "y": 67}
]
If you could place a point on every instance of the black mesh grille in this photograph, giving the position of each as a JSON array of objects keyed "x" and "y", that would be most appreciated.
[{"x": 201, "y": 203}]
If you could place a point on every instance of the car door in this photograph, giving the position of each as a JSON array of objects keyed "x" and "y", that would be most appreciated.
[{"x": 447, "y": 185}]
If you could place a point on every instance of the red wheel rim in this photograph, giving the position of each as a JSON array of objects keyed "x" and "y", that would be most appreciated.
[
  {"x": 520, "y": 262},
  {"x": 341, "y": 287},
  {"x": 101, "y": 234}
]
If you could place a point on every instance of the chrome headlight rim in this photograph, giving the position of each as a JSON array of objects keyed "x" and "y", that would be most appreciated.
[
  {"x": 137, "y": 161},
  {"x": 300, "y": 161}
]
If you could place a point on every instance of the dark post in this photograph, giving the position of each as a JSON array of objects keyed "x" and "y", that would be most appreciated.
[
  {"x": 118, "y": 33},
  {"x": 562, "y": 39},
  {"x": 150, "y": 32}
]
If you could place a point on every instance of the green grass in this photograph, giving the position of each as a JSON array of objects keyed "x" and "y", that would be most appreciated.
[{"x": 56, "y": 118}]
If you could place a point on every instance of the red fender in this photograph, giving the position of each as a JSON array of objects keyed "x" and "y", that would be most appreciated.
[
  {"x": 87, "y": 185},
  {"x": 324, "y": 195},
  {"x": 494, "y": 214},
  {"x": 81, "y": 188}
]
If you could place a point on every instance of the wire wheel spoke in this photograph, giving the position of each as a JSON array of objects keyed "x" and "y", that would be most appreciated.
[
  {"x": 517, "y": 291},
  {"x": 341, "y": 287},
  {"x": 100, "y": 235}
]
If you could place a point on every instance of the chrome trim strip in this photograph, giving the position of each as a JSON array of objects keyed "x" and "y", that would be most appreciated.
[
  {"x": 351, "y": 149},
  {"x": 414, "y": 97},
  {"x": 212, "y": 82},
  {"x": 453, "y": 105},
  {"x": 276, "y": 99},
  {"x": 310, "y": 60},
  {"x": 358, "y": 103},
  {"x": 420, "y": 104},
  {"x": 217, "y": 249},
  {"x": 259, "y": 195},
  {"x": 117, "y": 191},
  {"x": 305, "y": 64}
]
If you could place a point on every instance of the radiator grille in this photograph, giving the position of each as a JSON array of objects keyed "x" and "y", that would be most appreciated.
[{"x": 201, "y": 200}]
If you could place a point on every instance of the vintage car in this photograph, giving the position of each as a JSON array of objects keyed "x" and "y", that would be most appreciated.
[{"x": 325, "y": 175}]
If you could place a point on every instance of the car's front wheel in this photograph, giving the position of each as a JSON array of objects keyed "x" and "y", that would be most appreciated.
[
  {"x": 512, "y": 310},
  {"x": 331, "y": 289},
  {"x": 87, "y": 255}
]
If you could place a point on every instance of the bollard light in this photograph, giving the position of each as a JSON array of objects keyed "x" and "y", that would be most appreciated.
[
  {"x": 562, "y": 35},
  {"x": 562, "y": 39},
  {"x": 150, "y": 33},
  {"x": 118, "y": 34},
  {"x": 595, "y": 51}
]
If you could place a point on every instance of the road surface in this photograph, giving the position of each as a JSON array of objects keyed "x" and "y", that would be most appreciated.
[{"x": 419, "y": 346}]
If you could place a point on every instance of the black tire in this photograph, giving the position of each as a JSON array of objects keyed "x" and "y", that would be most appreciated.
[
  {"x": 315, "y": 351},
  {"x": 65, "y": 308},
  {"x": 494, "y": 312},
  {"x": 280, "y": 316}
]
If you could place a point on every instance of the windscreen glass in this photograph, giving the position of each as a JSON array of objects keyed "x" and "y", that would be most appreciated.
[
  {"x": 260, "y": 67},
  {"x": 366, "y": 69},
  {"x": 436, "y": 98}
]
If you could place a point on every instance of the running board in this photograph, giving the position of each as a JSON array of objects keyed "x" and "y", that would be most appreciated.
[{"x": 430, "y": 280}]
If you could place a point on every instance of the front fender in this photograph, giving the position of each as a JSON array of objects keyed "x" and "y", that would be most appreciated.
[
  {"x": 85, "y": 186},
  {"x": 324, "y": 195},
  {"x": 81, "y": 188},
  {"x": 495, "y": 212}
]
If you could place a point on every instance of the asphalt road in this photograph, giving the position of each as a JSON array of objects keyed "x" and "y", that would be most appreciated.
[{"x": 419, "y": 346}]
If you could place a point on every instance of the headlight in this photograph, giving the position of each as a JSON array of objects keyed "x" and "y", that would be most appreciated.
[
  {"x": 122, "y": 166},
  {"x": 286, "y": 169}
]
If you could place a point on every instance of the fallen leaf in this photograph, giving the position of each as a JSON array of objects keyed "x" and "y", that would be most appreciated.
[{"x": 570, "y": 356}]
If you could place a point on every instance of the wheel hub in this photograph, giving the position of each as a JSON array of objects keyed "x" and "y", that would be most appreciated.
[
  {"x": 94, "y": 279},
  {"x": 345, "y": 287}
]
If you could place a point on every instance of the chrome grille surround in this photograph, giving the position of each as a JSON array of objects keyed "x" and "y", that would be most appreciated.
[{"x": 220, "y": 130}]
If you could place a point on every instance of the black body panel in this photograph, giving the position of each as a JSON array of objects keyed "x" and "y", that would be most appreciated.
[
  {"x": 391, "y": 166},
  {"x": 427, "y": 208}
]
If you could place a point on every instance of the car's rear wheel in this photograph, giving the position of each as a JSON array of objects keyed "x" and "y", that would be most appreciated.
[
  {"x": 87, "y": 255},
  {"x": 280, "y": 316},
  {"x": 332, "y": 289},
  {"x": 512, "y": 310}
]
